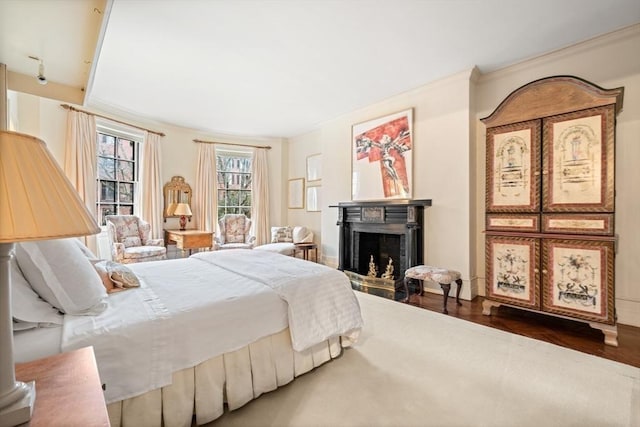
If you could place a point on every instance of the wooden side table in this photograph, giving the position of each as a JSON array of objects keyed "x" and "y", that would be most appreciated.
[
  {"x": 68, "y": 390},
  {"x": 305, "y": 248},
  {"x": 189, "y": 239}
]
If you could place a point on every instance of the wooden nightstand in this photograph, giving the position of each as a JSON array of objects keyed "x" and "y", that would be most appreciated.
[{"x": 68, "y": 390}]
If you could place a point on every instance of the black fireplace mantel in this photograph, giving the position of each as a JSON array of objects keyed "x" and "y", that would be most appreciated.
[{"x": 403, "y": 218}]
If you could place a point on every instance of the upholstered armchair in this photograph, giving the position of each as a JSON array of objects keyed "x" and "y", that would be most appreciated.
[
  {"x": 130, "y": 240},
  {"x": 234, "y": 232}
]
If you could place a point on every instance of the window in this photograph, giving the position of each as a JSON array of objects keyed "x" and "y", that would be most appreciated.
[
  {"x": 234, "y": 183},
  {"x": 117, "y": 174}
]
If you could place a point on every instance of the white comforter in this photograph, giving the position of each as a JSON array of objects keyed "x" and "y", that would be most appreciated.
[{"x": 189, "y": 310}]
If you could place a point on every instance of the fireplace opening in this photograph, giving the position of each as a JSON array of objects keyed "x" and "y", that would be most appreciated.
[{"x": 381, "y": 247}]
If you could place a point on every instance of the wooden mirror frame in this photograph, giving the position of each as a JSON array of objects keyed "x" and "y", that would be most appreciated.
[{"x": 175, "y": 191}]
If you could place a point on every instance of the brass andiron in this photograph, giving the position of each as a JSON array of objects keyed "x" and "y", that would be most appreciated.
[
  {"x": 388, "y": 274},
  {"x": 373, "y": 270}
]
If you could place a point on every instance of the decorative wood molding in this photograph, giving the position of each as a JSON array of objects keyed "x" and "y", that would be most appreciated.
[{"x": 551, "y": 96}]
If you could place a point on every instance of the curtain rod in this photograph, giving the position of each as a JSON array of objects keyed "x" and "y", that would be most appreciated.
[
  {"x": 69, "y": 107},
  {"x": 199, "y": 141}
]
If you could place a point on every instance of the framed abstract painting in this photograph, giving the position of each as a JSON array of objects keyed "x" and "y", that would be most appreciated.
[{"x": 381, "y": 158}]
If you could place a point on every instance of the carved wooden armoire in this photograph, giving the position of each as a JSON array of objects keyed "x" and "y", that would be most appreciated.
[{"x": 550, "y": 242}]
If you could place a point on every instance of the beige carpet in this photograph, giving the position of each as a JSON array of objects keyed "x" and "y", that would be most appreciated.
[{"x": 413, "y": 367}]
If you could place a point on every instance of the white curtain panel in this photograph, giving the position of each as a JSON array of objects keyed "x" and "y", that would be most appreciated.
[
  {"x": 149, "y": 194},
  {"x": 205, "y": 198},
  {"x": 80, "y": 161},
  {"x": 260, "y": 196}
]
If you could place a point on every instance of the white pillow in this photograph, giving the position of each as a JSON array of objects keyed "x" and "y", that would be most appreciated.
[
  {"x": 62, "y": 275},
  {"x": 27, "y": 308},
  {"x": 302, "y": 234}
]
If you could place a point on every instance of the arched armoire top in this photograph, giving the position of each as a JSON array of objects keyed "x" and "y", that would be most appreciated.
[{"x": 551, "y": 96}]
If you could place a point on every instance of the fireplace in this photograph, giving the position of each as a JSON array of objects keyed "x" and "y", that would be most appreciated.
[{"x": 377, "y": 237}]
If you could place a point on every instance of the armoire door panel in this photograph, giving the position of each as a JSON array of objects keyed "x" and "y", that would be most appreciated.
[
  {"x": 578, "y": 223},
  {"x": 523, "y": 222},
  {"x": 512, "y": 270},
  {"x": 513, "y": 167},
  {"x": 578, "y": 161},
  {"x": 578, "y": 279}
]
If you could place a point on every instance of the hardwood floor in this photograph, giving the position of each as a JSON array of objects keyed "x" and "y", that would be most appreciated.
[{"x": 566, "y": 333}]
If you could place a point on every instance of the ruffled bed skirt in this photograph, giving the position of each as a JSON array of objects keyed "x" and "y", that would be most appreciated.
[{"x": 233, "y": 378}]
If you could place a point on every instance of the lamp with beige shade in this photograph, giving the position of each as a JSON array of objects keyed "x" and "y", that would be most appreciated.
[
  {"x": 37, "y": 202},
  {"x": 184, "y": 211}
]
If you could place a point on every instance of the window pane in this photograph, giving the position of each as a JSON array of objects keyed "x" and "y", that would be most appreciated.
[
  {"x": 125, "y": 192},
  {"x": 220, "y": 180},
  {"x": 228, "y": 180},
  {"x": 246, "y": 182},
  {"x": 222, "y": 194},
  {"x": 107, "y": 191},
  {"x": 233, "y": 198},
  {"x": 246, "y": 212},
  {"x": 106, "y": 145},
  {"x": 125, "y": 171},
  {"x": 106, "y": 168},
  {"x": 106, "y": 210},
  {"x": 125, "y": 210},
  {"x": 125, "y": 149},
  {"x": 245, "y": 198}
]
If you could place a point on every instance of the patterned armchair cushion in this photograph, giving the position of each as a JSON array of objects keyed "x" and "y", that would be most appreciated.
[
  {"x": 236, "y": 228},
  {"x": 130, "y": 241}
]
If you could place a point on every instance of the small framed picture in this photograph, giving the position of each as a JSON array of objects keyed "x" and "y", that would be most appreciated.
[
  {"x": 314, "y": 167},
  {"x": 296, "y": 193},
  {"x": 313, "y": 199}
]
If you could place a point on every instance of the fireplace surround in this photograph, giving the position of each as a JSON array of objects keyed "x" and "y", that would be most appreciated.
[{"x": 374, "y": 232}]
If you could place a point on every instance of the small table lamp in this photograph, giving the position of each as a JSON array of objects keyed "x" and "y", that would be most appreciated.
[
  {"x": 184, "y": 211},
  {"x": 37, "y": 202}
]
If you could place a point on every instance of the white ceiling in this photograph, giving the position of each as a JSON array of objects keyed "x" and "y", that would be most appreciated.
[{"x": 280, "y": 68}]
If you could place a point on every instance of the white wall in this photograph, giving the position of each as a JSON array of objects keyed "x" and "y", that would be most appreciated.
[{"x": 441, "y": 164}]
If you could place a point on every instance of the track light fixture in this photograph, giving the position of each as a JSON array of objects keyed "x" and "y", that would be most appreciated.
[{"x": 41, "y": 78}]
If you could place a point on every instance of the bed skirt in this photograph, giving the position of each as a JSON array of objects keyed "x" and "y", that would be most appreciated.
[{"x": 233, "y": 378}]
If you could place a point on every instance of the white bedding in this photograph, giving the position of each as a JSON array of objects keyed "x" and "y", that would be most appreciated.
[
  {"x": 320, "y": 301},
  {"x": 36, "y": 343},
  {"x": 190, "y": 310}
]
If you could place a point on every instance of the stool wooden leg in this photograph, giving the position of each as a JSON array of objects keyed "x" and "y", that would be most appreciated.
[
  {"x": 446, "y": 287},
  {"x": 406, "y": 289},
  {"x": 459, "y": 282}
]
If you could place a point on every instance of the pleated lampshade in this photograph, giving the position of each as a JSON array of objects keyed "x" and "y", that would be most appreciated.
[
  {"x": 182, "y": 209},
  {"x": 37, "y": 201}
]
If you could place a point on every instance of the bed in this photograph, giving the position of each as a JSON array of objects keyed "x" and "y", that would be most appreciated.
[{"x": 198, "y": 334}]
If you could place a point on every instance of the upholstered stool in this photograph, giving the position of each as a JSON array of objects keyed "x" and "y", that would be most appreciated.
[{"x": 441, "y": 275}]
